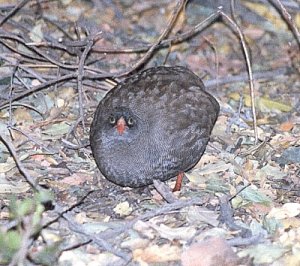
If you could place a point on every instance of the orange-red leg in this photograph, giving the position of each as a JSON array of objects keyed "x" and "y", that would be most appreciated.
[{"x": 177, "y": 186}]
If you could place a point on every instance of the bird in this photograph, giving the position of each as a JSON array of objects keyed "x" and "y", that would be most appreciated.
[{"x": 155, "y": 125}]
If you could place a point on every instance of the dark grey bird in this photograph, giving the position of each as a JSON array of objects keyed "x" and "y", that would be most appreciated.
[{"x": 154, "y": 125}]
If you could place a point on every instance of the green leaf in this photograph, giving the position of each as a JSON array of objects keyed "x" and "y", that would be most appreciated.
[
  {"x": 26, "y": 207},
  {"x": 263, "y": 253},
  {"x": 274, "y": 105},
  {"x": 48, "y": 256},
  {"x": 216, "y": 185},
  {"x": 271, "y": 225},
  {"x": 10, "y": 243},
  {"x": 58, "y": 129},
  {"x": 255, "y": 196},
  {"x": 44, "y": 196},
  {"x": 18, "y": 209}
]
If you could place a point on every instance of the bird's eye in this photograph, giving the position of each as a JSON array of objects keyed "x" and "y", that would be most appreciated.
[
  {"x": 130, "y": 121},
  {"x": 112, "y": 120}
]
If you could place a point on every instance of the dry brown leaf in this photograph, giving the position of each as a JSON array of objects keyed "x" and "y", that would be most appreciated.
[
  {"x": 180, "y": 233},
  {"x": 253, "y": 32},
  {"x": 291, "y": 222},
  {"x": 206, "y": 159},
  {"x": 77, "y": 179},
  {"x": 123, "y": 208},
  {"x": 291, "y": 237},
  {"x": 211, "y": 252},
  {"x": 81, "y": 258},
  {"x": 19, "y": 187},
  {"x": 155, "y": 254},
  {"x": 285, "y": 211},
  {"x": 220, "y": 128},
  {"x": 297, "y": 19},
  {"x": 286, "y": 126},
  {"x": 209, "y": 169},
  {"x": 197, "y": 215},
  {"x": 135, "y": 243},
  {"x": 23, "y": 116},
  {"x": 144, "y": 229},
  {"x": 36, "y": 33},
  {"x": 6, "y": 167},
  {"x": 60, "y": 102},
  {"x": 259, "y": 210},
  {"x": 293, "y": 260},
  {"x": 66, "y": 93}
]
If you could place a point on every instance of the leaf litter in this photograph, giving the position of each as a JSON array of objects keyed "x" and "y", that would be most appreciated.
[{"x": 120, "y": 224}]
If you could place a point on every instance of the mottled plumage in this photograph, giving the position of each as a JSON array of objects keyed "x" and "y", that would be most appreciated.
[{"x": 153, "y": 125}]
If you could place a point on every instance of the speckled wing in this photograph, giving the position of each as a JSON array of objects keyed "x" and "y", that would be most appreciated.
[{"x": 174, "y": 118}]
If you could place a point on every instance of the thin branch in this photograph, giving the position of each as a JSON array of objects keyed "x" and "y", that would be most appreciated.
[
  {"x": 288, "y": 19},
  {"x": 39, "y": 87},
  {"x": 262, "y": 75},
  {"x": 81, "y": 74},
  {"x": 20, "y": 166},
  {"x": 166, "y": 208},
  {"x": 167, "y": 30},
  {"x": 41, "y": 144},
  {"x": 101, "y": 242},
  {"x": 140, "y": 49},
  {"x": 247, "y": 57},
  {"x": 13, "y": 11},
  {"x": 24, "y": 105},
  {"x": 43, "y": 56}
]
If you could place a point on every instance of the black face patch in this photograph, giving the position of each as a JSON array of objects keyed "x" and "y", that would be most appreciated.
[{"x": 110, "y": 119}]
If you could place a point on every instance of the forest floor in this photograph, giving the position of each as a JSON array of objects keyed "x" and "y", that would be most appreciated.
[{"x": 59, "y": 58}]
